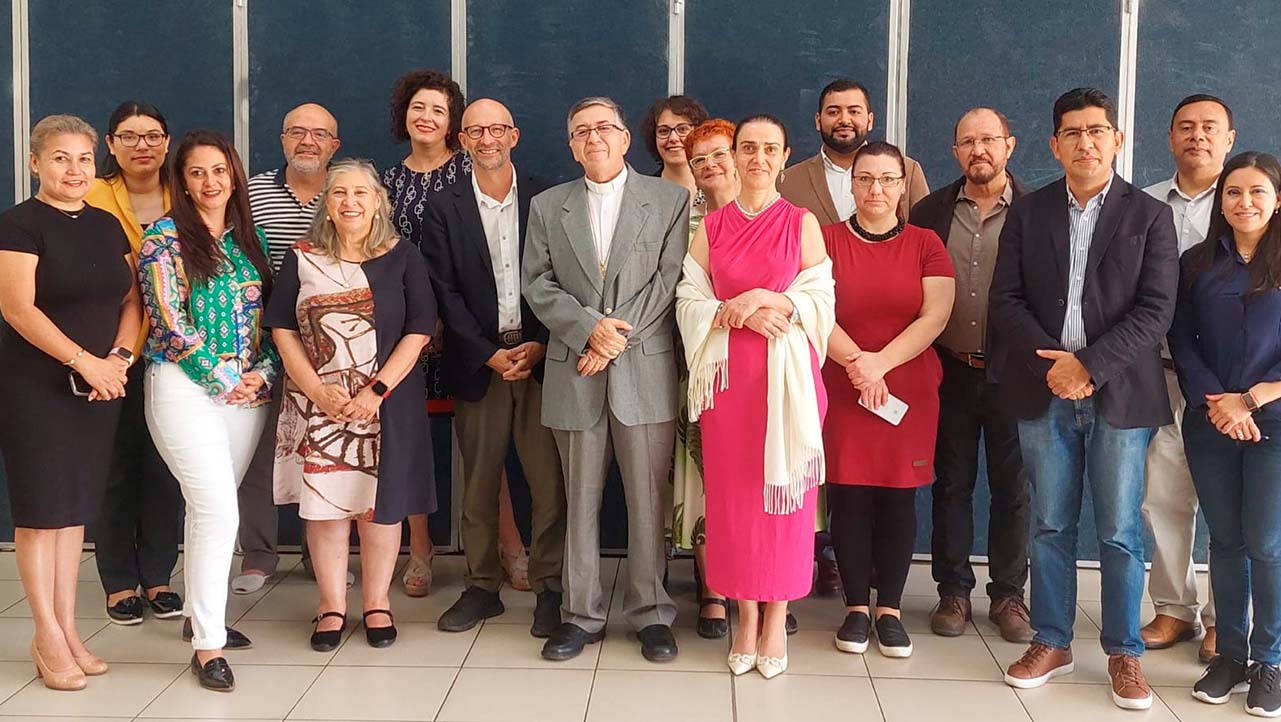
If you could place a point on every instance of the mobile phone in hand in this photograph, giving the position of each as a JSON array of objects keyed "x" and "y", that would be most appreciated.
[{"x": 892, "y": 410}]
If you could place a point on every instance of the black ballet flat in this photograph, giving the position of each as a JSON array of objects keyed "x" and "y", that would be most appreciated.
[
  {"x": 328, "y": 641},
  {"x": 380, "y": 636},
  {"x": 710, "y": 628}
]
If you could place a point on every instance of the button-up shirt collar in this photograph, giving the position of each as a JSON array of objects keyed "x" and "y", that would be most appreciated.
[
  {"x": 603, "y": 203},
  {"x": 501, "y": 223},
  {"x": 1191, "y": 213},
  {"x": 1081, "y": 223},
  {"x": 838, "y": 186}
]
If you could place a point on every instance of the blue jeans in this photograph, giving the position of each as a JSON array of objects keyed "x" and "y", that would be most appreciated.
[
  {"x": 1239, "y": 486},
  {"x": 1063, "y": 448}
]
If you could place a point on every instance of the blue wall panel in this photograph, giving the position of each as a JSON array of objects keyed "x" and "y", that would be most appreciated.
[
  {"x": 538, "y": 58},
  {"x": 346, "y": 58},
  {"x": 1185, "y": 48},
  {"x": 999, "y": 53},
  {"x": 775, "y": 58}
]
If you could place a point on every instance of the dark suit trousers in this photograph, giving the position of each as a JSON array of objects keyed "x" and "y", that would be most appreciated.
[
  {"x": 510, "y": 411},
  {"x": 140, "y": 526},
  {"x": 968, "y": 409}
]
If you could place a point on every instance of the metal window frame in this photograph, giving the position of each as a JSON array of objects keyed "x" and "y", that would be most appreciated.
[
  {"x": 1127, "y": 84},
  {"x": 21, "y": 101},
  {"x": 900, "y": 16}
]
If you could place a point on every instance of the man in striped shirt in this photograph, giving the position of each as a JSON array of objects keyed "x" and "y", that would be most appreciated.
[
  {"x": 284, "y": 201},
  {"x": 1082, "y": 295}
]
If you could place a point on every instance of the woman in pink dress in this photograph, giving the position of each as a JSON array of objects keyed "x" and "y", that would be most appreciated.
[{"x": 758, "y": 283}]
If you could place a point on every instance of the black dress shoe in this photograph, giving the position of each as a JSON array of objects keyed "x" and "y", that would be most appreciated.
[
  {"x": 474, "y": 606},
  {"x": 165, "y": 605},
  {"x": 328, "y": 641},
  {"x": 709, "y": 627},
  {"x": 657, "y": 643},
  {"x": 235, "y": 640},
  {"x": 127, "y": 611},
  {"x": 215, "y": 674},
  {"x": 568, "y": 640},
  {"x": 546, "y": 614},
  {"x": 790, "y": 625},
  {"x": 380, "y": 637}
]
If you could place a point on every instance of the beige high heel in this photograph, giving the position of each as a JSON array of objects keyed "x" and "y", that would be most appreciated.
[
  {"x": 92, "y": 665},
  {"x": 64, "y": 680}
]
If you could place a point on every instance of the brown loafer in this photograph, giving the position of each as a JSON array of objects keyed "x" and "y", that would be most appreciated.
[
  {"x": 1166, "y": 631},
  {"x": 1038, "y": 665},
  {"x": 1130, "y": 689},
  {"x": 828, "y": 583},
  {"x": 1011, "y": 616},
  {"x": 1209, "y": 649},
  {"x": 951, "y": 616}
]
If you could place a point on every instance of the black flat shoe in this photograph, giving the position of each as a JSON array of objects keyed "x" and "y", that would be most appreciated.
[
  {"x": 474, "y": 606},
  {"x": 235, "y": 640},
  {"x": 568, "y": 640},
  {"x": 380, "y": 636},
  {"x": 709, "y": 627},
  {"x": 546, "y": 614},
  {"x": 127, "y": 611},
  {"x": 215, "y": 674},
  {"x": 165, "y": 605},
  {"x": 657, "y": 643},
  {"x": 328, "y": 641},
  {"x": 789, "y": 625}
]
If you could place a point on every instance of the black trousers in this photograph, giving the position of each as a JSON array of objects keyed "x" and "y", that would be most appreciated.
[
  {"x": 967, "y": 410},
  {"x": 873, "y": 527},
  {"x": 140, "y": 526}
]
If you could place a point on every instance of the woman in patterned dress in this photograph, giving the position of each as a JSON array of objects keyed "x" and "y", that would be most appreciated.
[{"x": 352, "y": 313}]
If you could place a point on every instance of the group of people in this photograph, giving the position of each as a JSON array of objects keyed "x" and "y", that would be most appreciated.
[{"x": 776, "y": 356}]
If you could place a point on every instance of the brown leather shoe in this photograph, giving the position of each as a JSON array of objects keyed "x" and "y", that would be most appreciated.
[
  {"x": 951, "y": 616},
  {"x": 1130, "y": 689},
  {"x": 1166, "y": 631},
  {"x": 1038, "y": 665},
  {"x": 828, "y": 583},
  {"x": 1209, "y": 648},
  {"x": 1010, "y": 615}
]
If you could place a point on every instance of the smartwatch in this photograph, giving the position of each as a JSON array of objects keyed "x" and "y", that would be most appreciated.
[
  {"x": 123, "y": 353},
  {"x": 380, "y": 388},
  {"x": 1247, "y": 398}
]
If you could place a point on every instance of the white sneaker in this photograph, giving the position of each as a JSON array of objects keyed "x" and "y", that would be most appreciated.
[{"x": 248, "y": 583}]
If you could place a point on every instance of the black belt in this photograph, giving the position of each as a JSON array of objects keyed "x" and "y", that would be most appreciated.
[
  {"x": 1167, "y": 363},
  {"x": 973, "y": 360},
  {"x": 511, "y": 339}
]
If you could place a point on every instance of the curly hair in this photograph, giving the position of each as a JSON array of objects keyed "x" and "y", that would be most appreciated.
[
  {"x": 708, "y": 129},
  {"x": 408, "y": 85},
  {"x": 682, "y": 105}
]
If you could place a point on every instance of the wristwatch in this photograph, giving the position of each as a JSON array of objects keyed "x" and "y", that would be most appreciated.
[
  {"x": 1247, "y": 398},
  {"x": 380, "y": 388},
  {"x": 123, "y": 353}
]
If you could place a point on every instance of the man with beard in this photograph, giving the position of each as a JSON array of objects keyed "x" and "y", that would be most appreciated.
[
  {"x": 1201, "y": 136},
  {"x": 283, "y": 201},
  {"x": 493, "y": 364},
  {"x": 968, "y": 215},
  {"x": 821, "y": 183}
]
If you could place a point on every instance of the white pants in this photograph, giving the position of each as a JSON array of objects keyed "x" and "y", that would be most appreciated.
[
  {"x": 207, "y": 446},
  {"x": 1169, "y": 510}
]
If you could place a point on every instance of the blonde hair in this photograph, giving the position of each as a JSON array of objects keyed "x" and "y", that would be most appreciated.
[
  {"x": 323, "y": 236},
  {"x": 52, "y": 125}
]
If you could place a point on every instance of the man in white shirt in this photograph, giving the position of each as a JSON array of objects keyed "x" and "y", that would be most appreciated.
[
  {"x": 1201, "y": 136},
  {"x": 600, "y": 268},
  {"x": 492, "y": 364}
]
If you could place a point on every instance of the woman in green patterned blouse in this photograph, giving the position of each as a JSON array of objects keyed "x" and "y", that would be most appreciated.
[{"x": 204, "y": 278}]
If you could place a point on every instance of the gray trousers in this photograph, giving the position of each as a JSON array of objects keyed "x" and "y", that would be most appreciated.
[
  {"x": 257, "y": 535},
  {"x": 510, "y": 411},
  {"x": 644, "y": 454}
]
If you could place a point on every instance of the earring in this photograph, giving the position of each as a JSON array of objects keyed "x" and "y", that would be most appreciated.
[{"x": 782, "y": 176}]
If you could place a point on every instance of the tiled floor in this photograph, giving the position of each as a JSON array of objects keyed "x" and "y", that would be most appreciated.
[{"x": 495, "y": 673}]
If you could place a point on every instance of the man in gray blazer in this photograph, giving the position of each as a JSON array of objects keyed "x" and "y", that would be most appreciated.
[{"x": 602, "y": 258}]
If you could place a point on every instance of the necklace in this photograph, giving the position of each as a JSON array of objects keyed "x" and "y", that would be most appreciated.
[
  {"x": 345, "y": 278},
  {"x": 875, "y": 237},
  {"x": 750, "y": 215}
]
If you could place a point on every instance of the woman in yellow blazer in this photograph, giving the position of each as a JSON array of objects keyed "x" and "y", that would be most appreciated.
[{"x": 138, "y": 534}]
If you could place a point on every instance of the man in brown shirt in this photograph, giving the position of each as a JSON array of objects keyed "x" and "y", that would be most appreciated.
[
  {"x": 821, "y": 183},
  {"x": 968, "y": 215}
]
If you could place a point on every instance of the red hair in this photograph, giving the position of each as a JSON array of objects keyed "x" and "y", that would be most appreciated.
[{"x": 708, "y": 129}]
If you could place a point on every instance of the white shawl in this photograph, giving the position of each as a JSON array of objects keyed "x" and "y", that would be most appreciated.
[{"x": 793, "y": 431}]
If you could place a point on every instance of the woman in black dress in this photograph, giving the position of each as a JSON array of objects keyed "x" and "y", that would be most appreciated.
[
  {"x": 71, "y": 304},
  {"x": 351, "y": 314}
]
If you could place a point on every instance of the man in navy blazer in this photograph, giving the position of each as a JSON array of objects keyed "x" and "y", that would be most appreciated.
[
  {"x": 1082, "y": 295},
  {"x": 493, "y": 366}
]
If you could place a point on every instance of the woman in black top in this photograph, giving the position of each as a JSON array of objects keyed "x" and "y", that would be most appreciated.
[{"x": 69, "y": 297}]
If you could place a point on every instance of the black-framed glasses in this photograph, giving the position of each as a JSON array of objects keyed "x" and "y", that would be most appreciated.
[
  {"x": 698, "y": 162},
  {"x": 863, "y": 180},
  {"x": 680, "y": 129},
  {"x": 604, "y": 130},
  {"x": 497, "y": 130},
  {"x": 1095, "y": 132},
  {"x": 987, "y": 141},
  {"x": 130, "y": 139},
  {"x": 297, "y": 132}
]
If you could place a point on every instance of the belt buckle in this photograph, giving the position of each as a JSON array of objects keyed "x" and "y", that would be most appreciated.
[{"x": 512, "y": 338}]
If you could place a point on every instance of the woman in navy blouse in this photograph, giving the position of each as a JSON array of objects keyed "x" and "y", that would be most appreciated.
[{"x": 1226, "y": 343}]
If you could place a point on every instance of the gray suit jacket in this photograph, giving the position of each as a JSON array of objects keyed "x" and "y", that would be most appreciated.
[{"x": 564, "y": 288}]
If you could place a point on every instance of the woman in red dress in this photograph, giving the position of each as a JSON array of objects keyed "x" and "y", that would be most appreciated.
[{"x": 894, "y": 293}]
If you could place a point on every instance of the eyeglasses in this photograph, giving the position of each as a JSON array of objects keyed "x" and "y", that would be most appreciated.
[
  {"x": 604, "y": 130},
  {"x": 497, "y": 130},
  {"x": 1072, "y": 136},
  {"x": 680, "y": 129},
  {"x": 698, "y": 162},
  {"x": 886, "y": 181},
  {"x": 298, "y": 132},
  {"x": 987, "y": 141},
  {"x": 129, "y": 140}
]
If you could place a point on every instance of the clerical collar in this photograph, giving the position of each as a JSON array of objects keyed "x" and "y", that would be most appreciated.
[{"x": 608, "y": 187}]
